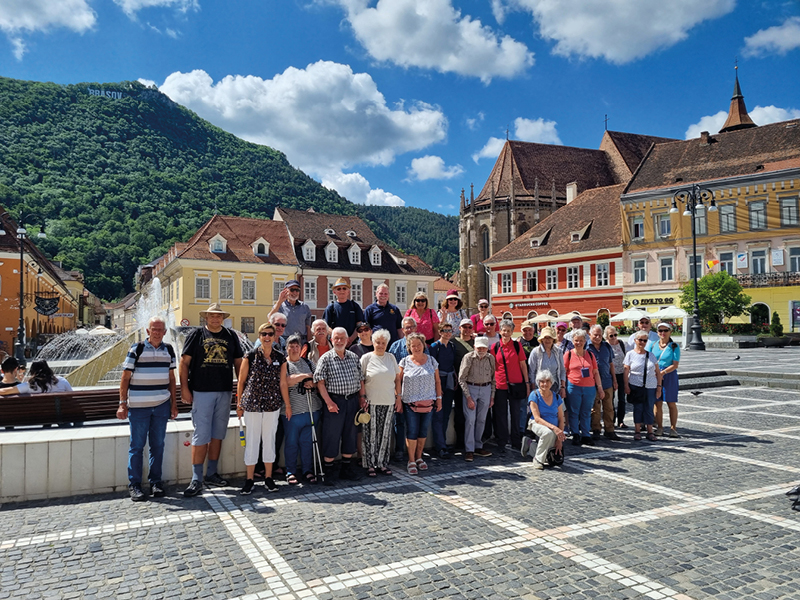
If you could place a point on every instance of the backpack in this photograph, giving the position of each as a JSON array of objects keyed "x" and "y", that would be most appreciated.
[{"x": 140, "y": 349}]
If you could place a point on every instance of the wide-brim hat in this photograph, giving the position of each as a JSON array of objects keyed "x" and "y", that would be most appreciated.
[
  {"x": 454, "y": 294},
  {"x": 341, "y": 282},
  {"x": 215, "y": 309},
  {"x": 362, "y": 417},
  {"x": 547, "y": 332}
]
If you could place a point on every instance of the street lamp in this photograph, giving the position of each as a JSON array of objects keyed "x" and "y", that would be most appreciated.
[
  {"x": 22, "y": 232},
  {"x": 693, "y": 198}
]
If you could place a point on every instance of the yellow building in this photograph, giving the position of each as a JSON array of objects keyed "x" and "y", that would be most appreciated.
[{"x": 749, "y": 179}]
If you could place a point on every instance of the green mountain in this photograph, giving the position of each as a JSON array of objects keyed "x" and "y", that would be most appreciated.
[{"x": 119, "y": 173}]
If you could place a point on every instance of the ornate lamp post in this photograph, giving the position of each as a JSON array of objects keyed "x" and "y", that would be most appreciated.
[
  {"x": 22, "y": 232},
  {"x": 693, "y": 198}
]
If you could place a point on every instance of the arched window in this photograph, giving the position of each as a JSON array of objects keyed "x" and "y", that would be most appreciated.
[
  {"x": 533, "y": 314},
  {"x": 759, "y": 314},
  {"x": 261, "y": 249},
  {"x": 485, "y": 249}
]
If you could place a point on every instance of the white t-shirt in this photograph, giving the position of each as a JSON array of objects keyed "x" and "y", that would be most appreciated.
[
  {"x": 379, "y": 373},
  {"x": 636, "y": 362},
  {"x": 61, "y": 385}
]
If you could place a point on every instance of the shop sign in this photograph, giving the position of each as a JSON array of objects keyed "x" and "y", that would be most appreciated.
[
  {"x": 650, "y": 302},
  {"x": 511, "y": 305}
]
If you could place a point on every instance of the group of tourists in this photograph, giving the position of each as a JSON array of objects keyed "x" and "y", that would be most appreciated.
[{"x": 367, "y": 386}]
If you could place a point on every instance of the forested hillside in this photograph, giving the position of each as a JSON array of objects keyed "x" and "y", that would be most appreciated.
[{"x": 120, "y": 172}]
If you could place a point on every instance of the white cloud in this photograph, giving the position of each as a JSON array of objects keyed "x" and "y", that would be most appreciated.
[
  {"x": 774, "y": 40},
  {"x": 325, "y": 118},
  {"x": 356, "y": 188},
  {"x": 432, "y": 34},
  {"x": 525, "y": 130},
  {"x": 619, "y": 30},
  {"x": 432, "y": 167},
  {"x": 499, "y": 10},
  {"x": 147, "y": 82},
  {"x": 131, "y": 7},
  {"x": 18, "y": 16},
  {"x": 472, "y": 123},
  {"x": 761, "y": 115}
]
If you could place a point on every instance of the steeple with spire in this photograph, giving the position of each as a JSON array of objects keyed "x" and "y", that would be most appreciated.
[{"x": 737, "y": 114}]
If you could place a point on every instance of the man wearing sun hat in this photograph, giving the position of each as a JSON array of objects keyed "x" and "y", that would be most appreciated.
[
  {"x": 343, "y": 312},
  {"x": 211, "y": 358}
]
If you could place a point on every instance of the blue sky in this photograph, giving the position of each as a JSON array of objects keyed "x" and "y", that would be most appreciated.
[{"x": 408, "y": 101}]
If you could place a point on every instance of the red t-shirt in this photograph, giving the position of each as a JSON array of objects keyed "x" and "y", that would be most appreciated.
[
  {"x": 512, "y": 358},
  {"x": 477, "y": 322},
  {"x": 573, "y": 365}
]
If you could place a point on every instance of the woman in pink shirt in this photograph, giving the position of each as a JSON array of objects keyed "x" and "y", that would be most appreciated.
[
  {"x": 583, "y": 385},
  {"x": 426, "y": 318},
  {"x": 477, "y": 318}
]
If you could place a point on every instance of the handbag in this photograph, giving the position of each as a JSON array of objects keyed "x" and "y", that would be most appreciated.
[
  {"x": 421, "y": 406},
  {"x": 555, "y": 459},
  {"x": 638, "y": 393}
]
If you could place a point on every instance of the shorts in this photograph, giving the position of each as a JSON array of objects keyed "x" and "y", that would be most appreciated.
[{"x": 211, "y": 412}]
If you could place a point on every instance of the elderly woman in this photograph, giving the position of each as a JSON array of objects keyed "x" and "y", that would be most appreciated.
[
  {"x": 483, "y": 312},
  {"x": 419, "y": 392},
  {"x": 262, "y": 390},
  {"x": 642, "y": 384},
  {"x": 668, "y": 354},
  {"x": 563, "y": 342},
  {"x": 451, "y": 310},
  {"x": 298, "y": 438},
  {"x": 320, "y": 341},
  {"x": 547, "y": 420},
  {"x": 611, "y": 335},
  {"x": 426, "y": 318},
  {"x": 548, "y": 357},
  {"x": 381, "y": 374},
  {"x": 490, "y": 329},
  {"x": 583, "y": 385}
]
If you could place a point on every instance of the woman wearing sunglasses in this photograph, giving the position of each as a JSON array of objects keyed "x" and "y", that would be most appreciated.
[
  {"x": 611, "y": 335},
  {"x": 668, "y": 354},
  {"x": 262, "y": 391},
  {"x": 426, "y": 318}
]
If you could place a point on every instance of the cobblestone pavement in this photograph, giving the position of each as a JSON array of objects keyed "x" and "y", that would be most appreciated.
[
  {"x": 755, "y": 360},
  {"x": 703, "y": 516}
]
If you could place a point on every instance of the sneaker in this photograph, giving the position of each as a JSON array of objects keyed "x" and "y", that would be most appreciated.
[
  {"x": 482, "y": 452},
  {"x": 270, "y": 484},
  {"x": 195, "y": 487},
  {"x": 673, "y": 433},
  {"x": 399, "y": 456},
  {"x": 469, "y": 456},
  {"x": 136, "y": 492},
  {"x": 526, "y": 445},
  {"x": 660, "y": 431},
  {"x": 216, "y": 480},
  {"x": 157, "y": 490},
  {"x": 537, "y": 465},
  {"x": 247, "y": 488},
  {"x": 596, "y": 434},
  {"x": 444, "y": 454}
]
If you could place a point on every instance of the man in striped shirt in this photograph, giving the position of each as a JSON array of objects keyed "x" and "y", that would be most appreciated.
[{"x": 147, "y": 399}]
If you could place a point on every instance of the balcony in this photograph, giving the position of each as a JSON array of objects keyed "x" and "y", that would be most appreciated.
[{"x": 769, "y": 279}]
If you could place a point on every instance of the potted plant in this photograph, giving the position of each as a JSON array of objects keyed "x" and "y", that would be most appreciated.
[{"x": 775, "y": 339}]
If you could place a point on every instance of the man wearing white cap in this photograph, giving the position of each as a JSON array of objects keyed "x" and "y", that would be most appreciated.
[{"x": 476, "y": 378}]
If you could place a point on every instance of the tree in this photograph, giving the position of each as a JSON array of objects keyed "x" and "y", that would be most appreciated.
[
  {"x": 775, "y": 328},
  {"x": 719, "y": 295},
  {"x": 602, "y": 320}
]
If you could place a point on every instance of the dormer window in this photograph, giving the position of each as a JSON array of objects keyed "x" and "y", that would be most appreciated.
[
  {"x": 576, "y": 237},
  {"x": 260, "y": 247},
  {"x": 534, "y": 243},
  {"x": 540, "y": 240},
  {"x": 351, "y": 233},
  {"x": 309, "y": 251},
  {"x": 332, "y": 253},
  {"x": 375, "y": 256},
  {"x": 355, "y": 254},
  {"x": 218, "y": 244},
  {"x": 330, "y": 231}
]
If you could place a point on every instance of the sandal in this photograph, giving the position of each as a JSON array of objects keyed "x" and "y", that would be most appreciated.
[
  {"x": 422, "y": 465},
  {"x": 291, "y": 479},
  {"x": 411, "y": 468},
  {"x": 637, "y": 436},
  {"x": 651, "y": 437},
  {"x": 385, "y": 471},
  {"x": 371, "y": 472},
  {"x": 310, "y": 477}
]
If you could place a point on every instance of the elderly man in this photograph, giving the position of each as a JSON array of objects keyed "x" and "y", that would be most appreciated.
[
  {"x": 603, "y": 405},
  {"x": 528, "y": 340},
  {"x": 298, "y": 317},
  {"x": 383, "y": 315},
  {"x": 147, "y": 399},
  {"x": 644, "y": 325},
  {"x": 343, "y": 312},
  {"x": 576, "y": 323},
  {"x": 464, "y": 343},
  {"x": 476, "y": 378},
  {"x": 400, "y": 350},
  {"x": 211, "y": 356},
  {"x": 320, "y": 341},
  {"x": 341, "y": 386}
]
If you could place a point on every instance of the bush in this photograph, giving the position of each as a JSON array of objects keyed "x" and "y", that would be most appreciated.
[
  {"x": 602, "y": 320},
  {"x": 735, "y": 328},
  {"x": 776, "y": 329}
]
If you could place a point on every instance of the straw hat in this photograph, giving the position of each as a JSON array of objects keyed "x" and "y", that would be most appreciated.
[
  {"x": 547, "y": 332},
  {"x": 341, "y": 282},
  {"x": 215, "y": 309}
]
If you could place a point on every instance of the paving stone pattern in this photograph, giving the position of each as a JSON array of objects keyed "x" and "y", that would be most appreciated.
[{"x": 701, "y": 516}]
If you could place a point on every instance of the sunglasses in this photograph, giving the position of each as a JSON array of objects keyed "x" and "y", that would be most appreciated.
[
  {"x": 663, "y": 331},
  {"x": 466, "y": 327},
  {"x": 644, "y": 322},
  {"x": 420, "y": 300},
  {"x": 266, "y": 333},
  {"x": 641, "y": 341},
  {"x": 280, "y": 324},
  {"x": 445, "y": 331},
  {"x": 612, "y": 335},
  {"x": 561, "y": 330},
  {"x": 363, "y": 329},
  {"x": 483, "y": 306}
]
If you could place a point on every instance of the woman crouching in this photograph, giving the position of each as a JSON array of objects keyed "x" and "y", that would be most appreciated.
[{"x": 546, "y": 421}]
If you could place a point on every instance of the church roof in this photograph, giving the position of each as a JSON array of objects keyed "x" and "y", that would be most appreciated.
[
  {"x": 632, "y": 147},
  {"x": 731, "y": 154},
  {"x": 737, "y": 113},
  {"x": 594, "y": 214}
]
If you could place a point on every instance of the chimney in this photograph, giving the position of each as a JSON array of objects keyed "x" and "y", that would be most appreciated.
[
  {"x": 572, "y": 191},
  {"x": 704, "y": 138}
]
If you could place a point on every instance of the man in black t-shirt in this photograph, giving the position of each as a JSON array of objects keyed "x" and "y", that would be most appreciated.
[
  {"x": 343, "y": 312},
  {"x": 209, "y": 354}
]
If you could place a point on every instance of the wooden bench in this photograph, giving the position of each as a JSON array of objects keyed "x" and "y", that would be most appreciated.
[{"x": 67, "y": 407}]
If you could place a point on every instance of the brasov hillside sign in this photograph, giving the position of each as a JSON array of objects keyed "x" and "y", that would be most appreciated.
[{"x": 106, "y": 93}]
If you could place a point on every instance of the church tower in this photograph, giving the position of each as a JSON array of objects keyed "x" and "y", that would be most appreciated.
[{"x": 737, "y": 113}]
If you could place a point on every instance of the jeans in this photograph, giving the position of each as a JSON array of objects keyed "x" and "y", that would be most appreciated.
[
  {"x": 581, "y": 400},
  {"x": 147, "y": 423},
  {"x": 643, "y": 412},
  {"x": 441, "y": 421},
  {"x": 297, "y": 431},
  {"x": 417, "y": 424}
]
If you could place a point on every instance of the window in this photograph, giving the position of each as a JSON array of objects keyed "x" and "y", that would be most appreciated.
[
  {"x": 332, "y": 253},
  {"x": 639, "y": 271},
  {"x": 727, "y": 218},
  {"x": 758, "y": 215},
  {"x": 726, "y": 262},
  {"x": 602, "y": 274},
  {"x": 277, "y": 286},
  {"x": 422, "y": 287},
  {"x": 400, "y": 293},
  {"x": 248, "y": 325},
  {"x": 789, "y": 212},
  {"x": 701, "y": 222},
  {"x": 310, "y": 291},
  {"x": 572, "y": 277},
  {"x": 355, "y": 292},
  {"x": 505, "y": 283},
  {"x": 758, "y": 262},
  {"x": 355, "y": 255},
  {"x": 794, "y": 259},
  {"x": 552, "y": 279},
  {"x": 217, "y": 246},
  {"x": 695, "y": 261},
  {"x": 664, "y": 225},
  {"x": 309, "y": 251},
  {"x": 248, "y": 289},
  {"x": 226, "y": 289},
  {"x": 261, "y": 249},
  {"x": 532, "y": 283},
  {"x": 202, "y": 287},
  {"x": 637, "y": 228},
  {"x": 375, "y": 257},
  {"x": 666, "y": 269},
  {"x": 331, "y": 296},
  {"x": 485, "y": 239}
]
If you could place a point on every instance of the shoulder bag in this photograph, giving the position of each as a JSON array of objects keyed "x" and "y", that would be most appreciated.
[{"x": 638, "y": 393}]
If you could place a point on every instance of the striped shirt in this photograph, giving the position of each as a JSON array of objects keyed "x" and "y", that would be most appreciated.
[{"x": 149, "y": 385}]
